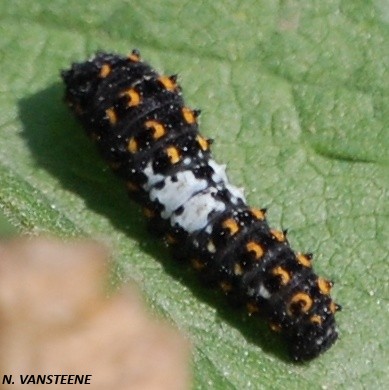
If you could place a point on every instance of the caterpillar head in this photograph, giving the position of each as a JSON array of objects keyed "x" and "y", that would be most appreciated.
[
  {"x": 314, "y": 330},
  {"x": 82, "y": 80},
  {"x": 312, "y": 340}
]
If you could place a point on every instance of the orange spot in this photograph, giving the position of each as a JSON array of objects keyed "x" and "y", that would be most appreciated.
[
  {"x": 94, "y": 137},
  {"x": 148, "y": 213},
  {"x": 114, "y": 165},
  {"x": 111, "y": 114},
  {"x": 188, "y": 115},
  {"x": 303, "y": 302},
  {"x": 204, "y": 144},
  {"x": 316, "y": 319},
  {"x": 334, "y": 307},
  {"x": 258, "y": 213},
  {"x": 170, "y": 239},
  {"x": 282, "y": 273},
  {"x": 324, "y": 285},
  {"x": 105, "y": 71},
  {"x": 168, "y": 83},
  {"x": 278, "y": 235},
  {"x": 132, "y": 187},
  {"x": 77, "y": 108},
  {"x": 304, "y": 260},
  {"x": 133, "y": 97},
  {"x": 231, "y": 225},
  {"x": 132, "y": 145},
  {"x": 252, "y": 308},
  {"x": 134, "y": 56},
  {"x": 173, "y": 154},
  {"x": 197, "y": 264},
  {"x": 225, "y": 286},
  {"x": 275, "y": 327},
  {"x": 257, "y": 249},
  {"x": 157, "y": 128}
]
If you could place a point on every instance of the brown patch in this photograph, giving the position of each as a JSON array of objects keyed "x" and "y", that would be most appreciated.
[
  {"x": 197, "y": 264},
  {"x": 252, "y": 308},
  {"x": 275, "y": 327},
  {"x": 148, "y": 213},
  {"x": 225, "y": 286},
  {"x": 170, "y": 239},
  {"x": 94, "y": 137},
  {"x": 132, "y": 187},
  {"x": 59, "y": 312},
  {"x": 114, "y": 165}
]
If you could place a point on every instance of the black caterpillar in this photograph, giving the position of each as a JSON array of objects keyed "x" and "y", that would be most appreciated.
[{"x": 151, "y": 140}]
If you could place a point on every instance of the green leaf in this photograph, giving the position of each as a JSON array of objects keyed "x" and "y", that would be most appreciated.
[
  {"x": 6, "y": 229},
  {"x": 295, "y": 95}
]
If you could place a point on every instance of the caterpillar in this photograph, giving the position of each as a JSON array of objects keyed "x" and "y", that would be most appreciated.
[{"x": 150, "y": 138}]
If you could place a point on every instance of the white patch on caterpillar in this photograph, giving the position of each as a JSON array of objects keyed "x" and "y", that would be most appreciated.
[
  {"x": 264, "y": 292},
  {"x": 175, "y": 193},
  {"x": 196, "y": 211},
  {"x": 219, "y": 175},
  {"x": 236, "y": 192},
  {"x": 185, "y": 191},
  {"x": 152, "y": 177}
]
